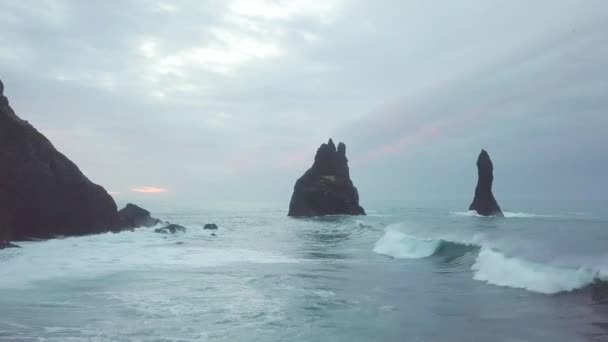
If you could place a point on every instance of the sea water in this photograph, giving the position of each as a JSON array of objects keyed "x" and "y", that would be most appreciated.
[{"x": 405, "y": 272}]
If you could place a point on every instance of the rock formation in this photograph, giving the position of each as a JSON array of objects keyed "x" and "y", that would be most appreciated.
[
  {"x": 5, "y": 244},
  {"x": 484, "y": 202},
  {"x": 170, "y": 228},
  {"x": 42, "y": 193},
  {"x": 132, "y": 216},
  {"x": 210, "y": 226},
  {"x": 5, "y": 238},
  {"x": 326, "y": 188}
]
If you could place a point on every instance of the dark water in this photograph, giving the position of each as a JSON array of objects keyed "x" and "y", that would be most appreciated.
[{"x": 414, "y": 273}]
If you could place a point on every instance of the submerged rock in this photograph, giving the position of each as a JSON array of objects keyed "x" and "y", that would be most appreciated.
[
  {"x": 42, "y": 193},
  {"x": 210, "y": 226},
  {"x": 132, "y": 216},
  {"x": 326, "y": 188},
  {"x": 6, "y": 244},
  {"x": 171, "y": 229},
  {"x": 484, "y": 202}
]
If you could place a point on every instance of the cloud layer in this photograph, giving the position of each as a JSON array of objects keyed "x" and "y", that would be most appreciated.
[{"x": 228, "y": 100}]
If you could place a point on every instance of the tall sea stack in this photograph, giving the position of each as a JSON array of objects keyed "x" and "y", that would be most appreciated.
[
  {"x": 42, "y": 193},
  {"x": 326, "y": 188},
  {"x": 484, "y": 202}
]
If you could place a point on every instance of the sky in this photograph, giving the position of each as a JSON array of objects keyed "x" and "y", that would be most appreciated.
[{"x": 201, "y": 103}]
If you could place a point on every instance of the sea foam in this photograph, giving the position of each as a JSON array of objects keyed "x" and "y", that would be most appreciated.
[
  {"x": 507, "y": 214},
  {"x": 402, "y": 246},
  {"x": 143, "y": 250},
  {"x": 495, "y": 268}
]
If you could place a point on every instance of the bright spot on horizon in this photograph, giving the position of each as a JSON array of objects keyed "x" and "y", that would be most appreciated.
[{"x": 149, "y": 190}]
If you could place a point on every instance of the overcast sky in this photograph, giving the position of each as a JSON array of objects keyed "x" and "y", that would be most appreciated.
[{"x": 204, "y": 102}]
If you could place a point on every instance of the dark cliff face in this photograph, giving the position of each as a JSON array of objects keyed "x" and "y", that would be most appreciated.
[
  {"x": 484, "y": 202},
  {"x": 42, "y": 193},
  {"x": 326, "y": 188}
]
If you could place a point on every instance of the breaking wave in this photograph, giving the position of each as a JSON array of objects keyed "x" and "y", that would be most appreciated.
[
  {"x": 492, "y": 266},
  {"x": 402, "y": 246},
  {"x": 495, "y": 268}
]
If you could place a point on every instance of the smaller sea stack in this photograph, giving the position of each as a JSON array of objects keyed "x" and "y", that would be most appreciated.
[
  {"x": 326, "y": 188},
  {"x": 484, "y": 202},
  {"x": 132, "y": 216}
]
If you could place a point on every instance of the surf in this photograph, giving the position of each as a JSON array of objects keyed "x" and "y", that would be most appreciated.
[
  {"x": 507, "y": 214},
  {"x": 489, "y": 264}
]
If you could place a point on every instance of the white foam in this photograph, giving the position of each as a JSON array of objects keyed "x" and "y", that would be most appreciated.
[
  {"x": 507, "y": 214},
  {"x": 471, "y": 213},
  {"x": 98, "y": 255},
  {"x": 522, "y": 215},
  {"x": 495, "y": 268},
  {"x": 402, "y": 246}
]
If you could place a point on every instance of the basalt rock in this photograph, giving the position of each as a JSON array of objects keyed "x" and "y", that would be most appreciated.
[
  {"x": 210, "y": 226},
  {"x": 42, "y": 193},
  {"x": 6, "y": 244},
  {"x": 170, "y": 228},
  {"x": 132, "y": 216},
  {"x": 326, "y": 188},
  {"x": 484, "y": 202}
]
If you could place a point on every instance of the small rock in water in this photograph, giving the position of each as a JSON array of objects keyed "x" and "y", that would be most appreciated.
[
  {"x": 211, "y": 226},
  {"x": 6, "y": 244},
  {"x": 132, "y": 216},
  {"x": 170, "y": 229}
]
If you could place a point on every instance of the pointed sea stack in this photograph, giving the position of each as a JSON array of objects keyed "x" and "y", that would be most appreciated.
[
  {"x": 326, "y": 188},
  {"x": 484, "y": 202},
  {"x": 42, "y": 193}
]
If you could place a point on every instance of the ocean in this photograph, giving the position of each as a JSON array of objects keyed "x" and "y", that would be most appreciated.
[{"x": 406, "y": 272}]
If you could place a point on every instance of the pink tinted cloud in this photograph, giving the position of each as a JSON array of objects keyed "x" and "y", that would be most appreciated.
[
  {"x": 422, "y": 135},
  {"x": 149, "y": 190}
]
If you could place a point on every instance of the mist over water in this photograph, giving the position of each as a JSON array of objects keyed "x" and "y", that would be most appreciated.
[{"x": 401, "y": 273}]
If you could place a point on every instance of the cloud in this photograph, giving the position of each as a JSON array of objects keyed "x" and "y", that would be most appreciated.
[
  {"x": 235, "y": 96},
  {"x": 285, "y": 10},
  {"x": 148, "y": 48},
  {"x": 149, "y": 190},
  {"x": 421, "y": 135},
  {"x": 166, "y": 7}
]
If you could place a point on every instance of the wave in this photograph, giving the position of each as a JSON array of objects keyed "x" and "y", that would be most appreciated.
[
  {"x": 495, "y": 268},
  {"x": 490, "y": 265},
  {"x": 402, "y": 246},
  {"x": 507, "y": 214}
]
